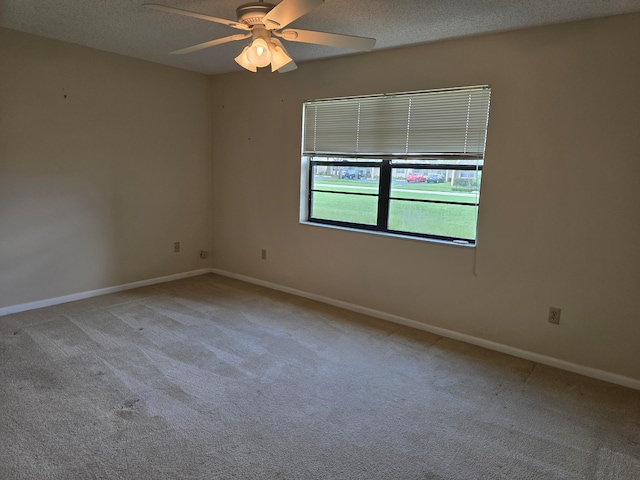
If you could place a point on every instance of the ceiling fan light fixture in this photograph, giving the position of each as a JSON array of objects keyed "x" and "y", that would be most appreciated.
[
  {"x": 279, "y": 56},
  {"x": 244, "y": 62},
  {"x": 259, "y": 53}
]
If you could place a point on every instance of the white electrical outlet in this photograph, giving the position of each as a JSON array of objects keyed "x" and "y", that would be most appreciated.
[{"x": 554, "y": 315}]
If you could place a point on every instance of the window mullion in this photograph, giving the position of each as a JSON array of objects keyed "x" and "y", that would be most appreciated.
[{"x": 384, "y": 193}]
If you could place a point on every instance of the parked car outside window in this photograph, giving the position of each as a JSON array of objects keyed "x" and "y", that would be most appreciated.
[
  {"x": 350, "y": 174},
  {"x": 416, "y": 177}
]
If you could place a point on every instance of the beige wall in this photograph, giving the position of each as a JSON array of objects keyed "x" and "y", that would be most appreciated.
[
  {"x": 559, "y": 218},
  {"x": 105, "y": 161},
  {"x": 96, "y": 186}
]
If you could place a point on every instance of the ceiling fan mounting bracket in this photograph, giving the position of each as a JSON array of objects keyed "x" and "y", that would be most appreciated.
[
  {"x": 260, "y": 32},
  {"x": 253, "y": 13}
]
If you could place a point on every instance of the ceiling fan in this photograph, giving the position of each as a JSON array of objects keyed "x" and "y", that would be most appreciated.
[{"x": 263, "y": 22}]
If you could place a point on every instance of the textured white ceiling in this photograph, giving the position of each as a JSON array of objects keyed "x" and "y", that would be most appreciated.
[{"x": 127, "y": 28}]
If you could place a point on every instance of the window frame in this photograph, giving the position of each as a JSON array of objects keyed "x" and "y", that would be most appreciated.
[
  {"x": 407, "y": 160},
  {"x": 384, "y": 196}
]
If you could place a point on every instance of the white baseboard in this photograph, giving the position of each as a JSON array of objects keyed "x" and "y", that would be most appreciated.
[
  {"x": 443, "y": 332},
  {"x": 498, "y": 347},
  {"x": 101, "y": 291}
]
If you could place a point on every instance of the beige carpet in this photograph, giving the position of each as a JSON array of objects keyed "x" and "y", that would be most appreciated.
[{"x": 211, "y": 378}]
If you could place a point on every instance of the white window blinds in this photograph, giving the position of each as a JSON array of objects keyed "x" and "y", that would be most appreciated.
[{"x": 435, "y": 122}]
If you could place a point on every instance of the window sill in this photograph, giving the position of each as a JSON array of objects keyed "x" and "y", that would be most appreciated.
[{"x": 387, "y": 234}]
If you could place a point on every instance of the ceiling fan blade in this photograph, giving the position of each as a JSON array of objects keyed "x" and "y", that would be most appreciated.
[
  {"x": 287, "y": 11},
  {"x": 330, "y": 39},
  {"x": 288, "y": 67},
  {"x": 211, "y": 43},
  {"x": 187, "y": 13}
]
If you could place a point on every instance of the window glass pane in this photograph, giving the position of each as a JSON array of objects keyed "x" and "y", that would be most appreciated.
[
  {"x": 344, "y": 208},
  {"x": 459, "y": 186},
  {"x": 338, "y": 178},
  {"x": 433, "y": 218}
]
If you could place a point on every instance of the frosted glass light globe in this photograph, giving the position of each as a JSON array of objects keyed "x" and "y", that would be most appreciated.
[{"x": 258, "y": 53}]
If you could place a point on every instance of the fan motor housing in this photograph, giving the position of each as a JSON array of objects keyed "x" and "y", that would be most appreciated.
[{"x": 253, "y": 13}]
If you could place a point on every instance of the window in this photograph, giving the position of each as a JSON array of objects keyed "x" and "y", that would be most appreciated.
[{"x": 406, "y": 163}]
